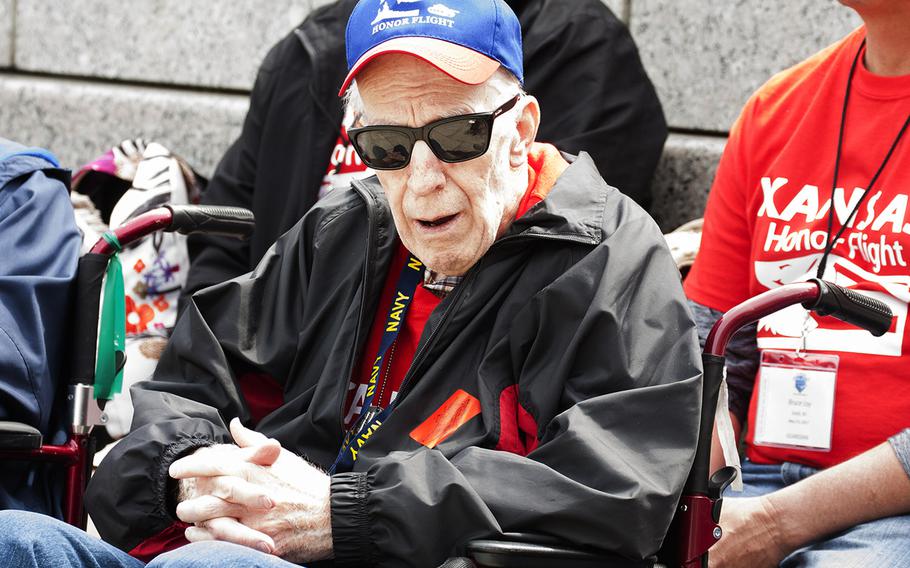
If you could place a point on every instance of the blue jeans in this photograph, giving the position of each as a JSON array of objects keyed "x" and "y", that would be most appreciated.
[
  {"x": 884, "y": 542},
  {"x": 30, "y": 540}
]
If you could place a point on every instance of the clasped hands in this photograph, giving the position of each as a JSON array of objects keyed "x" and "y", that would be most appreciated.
[{"x": 255, "y": 494}]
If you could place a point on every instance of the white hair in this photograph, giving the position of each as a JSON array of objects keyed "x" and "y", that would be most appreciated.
[{"x": 500, "y": 85}]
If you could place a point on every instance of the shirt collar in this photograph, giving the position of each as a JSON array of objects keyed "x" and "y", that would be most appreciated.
[{"x": 440, "y": 284}]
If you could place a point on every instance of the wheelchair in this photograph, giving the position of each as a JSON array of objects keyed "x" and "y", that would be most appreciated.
[
  {"x": 22, "y": 442},
  {"x": 694, "y": 528}
]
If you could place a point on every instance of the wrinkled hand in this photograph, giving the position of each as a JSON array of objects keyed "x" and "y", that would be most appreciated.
[
  {"x": 234, "y": 492},
  {"x": 256, "y": 494},
  {"x": 751, "y": 537}
]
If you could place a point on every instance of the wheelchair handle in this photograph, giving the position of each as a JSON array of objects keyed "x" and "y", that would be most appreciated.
[
  {"x": 212, "y": 219},
  {"x": 852, "y": 307},
  {"x": 184, "y": 219},
  {"x": 817, "y": 295}
]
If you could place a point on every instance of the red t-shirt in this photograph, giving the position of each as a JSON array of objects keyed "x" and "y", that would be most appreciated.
[
  {"x": 766, "y": 224},
  {"x": 344, "y": 164},
  {"x": 546, "y": 164}
]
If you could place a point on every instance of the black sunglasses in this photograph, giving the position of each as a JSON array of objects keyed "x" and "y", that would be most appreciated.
[{"x": 455, "y": 139}]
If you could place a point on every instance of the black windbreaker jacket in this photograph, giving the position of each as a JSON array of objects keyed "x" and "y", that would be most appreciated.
[
  {"x": 580, "y": 62},
  {"x": 577, "y": 310}
]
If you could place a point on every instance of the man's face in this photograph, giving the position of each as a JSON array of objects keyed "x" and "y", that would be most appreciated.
[{"x": 448, "y": 215}]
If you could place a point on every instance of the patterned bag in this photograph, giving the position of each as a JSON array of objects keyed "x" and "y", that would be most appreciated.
[{"x": 127, "y": 181}]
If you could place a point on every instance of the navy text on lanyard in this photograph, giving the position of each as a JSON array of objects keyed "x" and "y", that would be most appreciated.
[{"x": 373, "y": 416}]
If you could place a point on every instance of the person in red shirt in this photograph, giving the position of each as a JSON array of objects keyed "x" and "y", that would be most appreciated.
[{"x": 814, "y": 182}]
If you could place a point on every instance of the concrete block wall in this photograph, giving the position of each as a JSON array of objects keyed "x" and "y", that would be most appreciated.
[
  {"x": 6, "y": 33},
  {"x": 79, "y": 76}
]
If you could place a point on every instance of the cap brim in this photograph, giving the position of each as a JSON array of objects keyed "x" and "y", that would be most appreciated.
[{"x": 456, "y": 61}]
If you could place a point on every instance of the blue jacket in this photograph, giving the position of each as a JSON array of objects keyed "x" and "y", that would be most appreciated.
[{"x": 39, "y": 249}]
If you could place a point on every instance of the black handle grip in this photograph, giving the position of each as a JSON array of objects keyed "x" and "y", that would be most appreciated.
[
  {"x": 697, "y": 482},
  {"x": 211, "y": 219},
  {"x": 852, "y": 307}
]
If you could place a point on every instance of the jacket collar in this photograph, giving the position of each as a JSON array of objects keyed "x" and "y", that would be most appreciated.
[
  {"x": 574, "y": 209},
  {"x": 17, "y": 160}
]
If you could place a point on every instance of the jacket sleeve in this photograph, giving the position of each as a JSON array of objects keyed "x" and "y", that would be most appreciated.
[
  {"x": 900, "y": 443},
  {"x": 40, "y": 246},
  {"x": 195, "y": 389},
  {"x": 616, "y": 396},
  {"x": 216, "y": 259},
  {"x": 595, "y": 96}
]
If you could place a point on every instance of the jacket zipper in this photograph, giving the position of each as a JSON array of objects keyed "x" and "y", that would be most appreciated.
[
  {"x": 421, "y": 353},
  {"x": 548, "y": 237},
  {"x": 388, "y": 369}
]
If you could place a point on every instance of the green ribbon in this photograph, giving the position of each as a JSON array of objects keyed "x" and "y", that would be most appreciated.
[{"x": 112, "y": 329}]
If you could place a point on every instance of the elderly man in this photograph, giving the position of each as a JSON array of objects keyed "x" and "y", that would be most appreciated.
[
  {"x": 294, "y": 136},
  {"x": 482, "y": 338}
]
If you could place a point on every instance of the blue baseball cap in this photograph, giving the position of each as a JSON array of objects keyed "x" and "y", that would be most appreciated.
[{"x": 465, "y": 39}]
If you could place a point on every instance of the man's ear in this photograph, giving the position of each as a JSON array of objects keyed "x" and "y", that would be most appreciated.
[{"x": 528, "y": 122}]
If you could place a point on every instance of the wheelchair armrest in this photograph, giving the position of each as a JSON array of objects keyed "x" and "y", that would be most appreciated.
[
  {"x": 18, "y": 436},
  {"x": 522, "y": 550}
]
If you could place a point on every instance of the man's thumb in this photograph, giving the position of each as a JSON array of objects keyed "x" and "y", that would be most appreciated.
[
  {"x": 263, "y": 451},
  {"x": 244, "y": 437},
  {"x": 266, "y": 454}
]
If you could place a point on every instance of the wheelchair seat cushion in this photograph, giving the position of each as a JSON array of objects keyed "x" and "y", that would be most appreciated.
[{"x": 18, "y": 436}]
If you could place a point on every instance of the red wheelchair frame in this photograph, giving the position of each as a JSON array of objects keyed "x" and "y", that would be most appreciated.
[{"x": 21, "y": 442}]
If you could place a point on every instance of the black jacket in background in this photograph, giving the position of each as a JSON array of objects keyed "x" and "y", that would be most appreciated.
[{"x": 580, "y": 62}]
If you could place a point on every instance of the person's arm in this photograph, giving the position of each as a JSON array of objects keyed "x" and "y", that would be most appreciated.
[
  {"x": 595, "y": 96},
  {"x": 870, "y": 486},
  {"x": 40, "y": 249},
  {"x": 761, "y": 531}
]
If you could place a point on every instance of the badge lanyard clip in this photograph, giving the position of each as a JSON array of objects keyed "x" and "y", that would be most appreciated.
[{"x": 804, "y": 334}]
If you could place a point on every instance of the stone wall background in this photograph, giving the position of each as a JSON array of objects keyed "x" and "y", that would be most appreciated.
[{"x": 79, "y": 76}]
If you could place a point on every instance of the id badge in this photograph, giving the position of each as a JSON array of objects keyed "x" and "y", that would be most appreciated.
[{"x": 796, "y": 400}]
